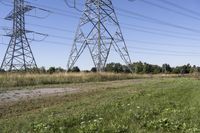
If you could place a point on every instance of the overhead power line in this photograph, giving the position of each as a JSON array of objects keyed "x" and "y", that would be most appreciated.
[
  {"x": 134, "y": 51},
  {"x": 137, "y": 28},
  {"x": 141, "y": 17},
  {"x": 132, "y": 41},
  {"x": 140, "y": 29},
  {"x": 131, "y": 25},
  {"x": 160, "y": 30},
  {"x": 170, "y": 9},
  {"x": 5, "y": 3},
  {"x": 157, "y": 21},
  {"x": 165, "y": 51},
  {"x": 129, "y": 46},
  {"x": 52, "y": 10},
  {"x": 180, "y": 7},
  {"x": 164, "y": 44},
  {"x": 162, "y": 54},
  {"x": 160, "y": 34}
]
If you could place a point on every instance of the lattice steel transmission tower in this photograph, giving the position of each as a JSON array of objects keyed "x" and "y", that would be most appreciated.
[
  {"x": 99, "y": 30},
  {"x": 19, "y": 55}
]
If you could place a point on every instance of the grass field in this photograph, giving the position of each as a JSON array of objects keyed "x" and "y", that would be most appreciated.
[
  {"x": 133, "y": 105},
  {"x": 10, "y": 81}
]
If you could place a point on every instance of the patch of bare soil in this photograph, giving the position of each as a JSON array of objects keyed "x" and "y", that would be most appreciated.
[
  {"x": 17, "y": 95},
  {"x": 20, "y": 95}
]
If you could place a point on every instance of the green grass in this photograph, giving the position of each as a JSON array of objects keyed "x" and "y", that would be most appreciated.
[{"x": 154, "y": 105}]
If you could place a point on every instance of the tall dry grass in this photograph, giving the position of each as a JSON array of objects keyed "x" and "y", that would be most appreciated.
[
  {"x": 18, "y": 80},
  {"x": 21, "y": 80}
]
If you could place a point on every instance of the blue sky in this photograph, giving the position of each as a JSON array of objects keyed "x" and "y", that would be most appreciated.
[{"x": 170, "y": 45}]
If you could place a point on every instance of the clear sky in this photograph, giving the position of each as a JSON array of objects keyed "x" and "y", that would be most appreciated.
[{"x": 170, "y": 34}]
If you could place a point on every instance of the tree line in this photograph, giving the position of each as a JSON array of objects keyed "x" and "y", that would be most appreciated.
[
  {"x": 137, "y": 67},
  {"x": 145, "y": 68}
]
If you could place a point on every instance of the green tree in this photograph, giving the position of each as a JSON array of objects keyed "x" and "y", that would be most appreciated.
[
  {"x": 2, "y": 71},
  {"x": 126, "y": 69},
  {"x": 94, "y": 69},
  {"x": 59, "y": 69},
  {"x": 166, "y": 68},
  {"x": 42, "y": 70},
  {"x": 114, "y": 67},
  {"x": 156, "y": 69},
  {"x": 147, "y": 68},
  {"x": 51, "y": 70},
  {"x": 75, "y": 69},
  {"x": 118, "y": 68},
  {"x": 176, "y": 70},
  {"x": 138, "y": 67}
]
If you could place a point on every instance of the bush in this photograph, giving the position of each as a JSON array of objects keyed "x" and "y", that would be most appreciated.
[
  {"x": 94, "y": 69},
  {"x": 51, "y": 70},
  {"x": 74, "y": 69}
]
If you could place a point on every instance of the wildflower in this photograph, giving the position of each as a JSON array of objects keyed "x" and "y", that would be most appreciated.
[
  {"x": 167, "y": 109},
  {"x": 82, "y": 122},
  {"x": 138, "y": 107},
  {"x": 100, "y": 118}
]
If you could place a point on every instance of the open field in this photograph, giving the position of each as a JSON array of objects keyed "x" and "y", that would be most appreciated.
[
  {"x": 13, "y": 81},
  {"x": 133, "y": 105},
  {"x": 9, "y": 80}
]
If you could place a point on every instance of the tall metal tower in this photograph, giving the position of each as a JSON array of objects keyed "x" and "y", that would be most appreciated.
[
  {"x": 98, "y": 30},
  {"x": 19, "y": 55}
]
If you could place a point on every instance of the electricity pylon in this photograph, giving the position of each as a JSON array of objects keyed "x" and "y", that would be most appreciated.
[
  {"x": 19, "y": 55},
  {"x": 99, "y": 30}
]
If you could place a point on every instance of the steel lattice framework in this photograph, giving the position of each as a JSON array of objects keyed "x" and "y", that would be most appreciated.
[
  {"x": 98, "y": 30},
  {"x": 19, "y": 55}
]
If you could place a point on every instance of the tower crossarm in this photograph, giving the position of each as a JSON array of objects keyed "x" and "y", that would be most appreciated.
[{"x": 25, "y": 8}]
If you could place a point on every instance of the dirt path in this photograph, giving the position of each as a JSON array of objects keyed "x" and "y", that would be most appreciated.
[{"x": 17, "y": 95}]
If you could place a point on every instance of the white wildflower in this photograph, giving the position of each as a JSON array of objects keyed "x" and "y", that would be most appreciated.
[
  {"x": 100, "y": 118},
  {"x": 82, "y": 122}
]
